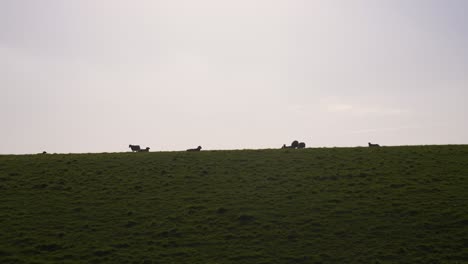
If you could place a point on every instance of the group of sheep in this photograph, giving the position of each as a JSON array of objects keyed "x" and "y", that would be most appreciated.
[
  {"x": 136, "y": 148},
  {"x": 295, "y": 145}
]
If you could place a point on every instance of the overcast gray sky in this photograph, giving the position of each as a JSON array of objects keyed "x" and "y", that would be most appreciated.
[{"x": 98, "y": 75}]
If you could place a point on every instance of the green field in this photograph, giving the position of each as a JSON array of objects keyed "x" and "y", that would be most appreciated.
[{"x": 324, "y": 205}]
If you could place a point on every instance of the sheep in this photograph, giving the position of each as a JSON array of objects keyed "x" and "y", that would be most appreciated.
[
  {"x": 134, "y": 148},
  {"x": 195, "y": 149},
  {"x": 144, "y": 150},
  {"x": 295, "y": 144},
  {"x": 373, "y": 145}
]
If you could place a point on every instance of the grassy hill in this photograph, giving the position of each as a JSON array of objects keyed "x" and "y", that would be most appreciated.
[{"x": 329, "y": 205}]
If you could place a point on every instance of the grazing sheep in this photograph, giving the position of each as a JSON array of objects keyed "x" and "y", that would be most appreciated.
[
  {"x": 134, "y": 148},
  {"x": 373, "y": 145},
  {"x": 301, "y": 145},
  {"x": 295, "y": 144},
  {"x": 144, "y": 150},
  {"x": 195, "y": 149}
]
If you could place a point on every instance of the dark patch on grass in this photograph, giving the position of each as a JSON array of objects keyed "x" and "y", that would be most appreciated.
[
  {"x": 102, "y": 252},
  {"x": 40, "y": 186},
  {"x": 121, "y": 245},
  {"x": 131, "y": 224},
  {"x": 4, "y": 253},
  {"x": 246, "y": 219},
  {"x": 49, "y": 247},
  {"x": 221, "y": 210}
]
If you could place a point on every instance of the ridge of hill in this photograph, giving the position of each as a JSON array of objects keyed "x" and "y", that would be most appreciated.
[{"x": 327, "y": 205}]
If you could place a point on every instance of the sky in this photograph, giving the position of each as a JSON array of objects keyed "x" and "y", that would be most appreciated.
[{"x": 98, "y": 75}]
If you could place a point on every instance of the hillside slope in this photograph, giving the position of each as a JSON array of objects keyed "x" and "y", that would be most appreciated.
[{"x": 335, "y": 205}]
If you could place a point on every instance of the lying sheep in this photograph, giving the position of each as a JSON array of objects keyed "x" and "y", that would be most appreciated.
[
  {"x": 144, "y": 150},
  {"x": 195, "y": 149},
  {"x": 295, "y": 145}
]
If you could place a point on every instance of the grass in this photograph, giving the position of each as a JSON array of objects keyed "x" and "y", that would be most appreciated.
[{"x": 329, "y": 205}]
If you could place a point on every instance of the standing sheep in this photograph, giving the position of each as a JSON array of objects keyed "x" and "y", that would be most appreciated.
[{"x": 134, "y": 148}]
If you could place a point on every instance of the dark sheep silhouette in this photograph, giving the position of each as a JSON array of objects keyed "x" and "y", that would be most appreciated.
[
  {"x": 373, "y": 145},
  {"x": 195, "y": 149},
  {"x": 295, "y": 144},
  {"x": 135, "y": 148},
  {"x": 144, "y": 150}
]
